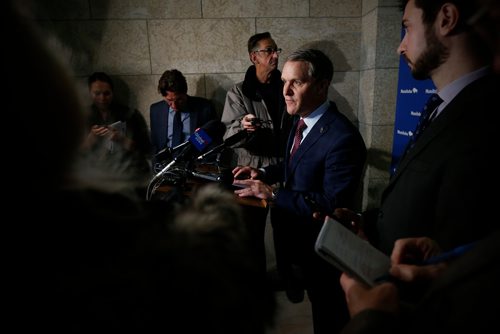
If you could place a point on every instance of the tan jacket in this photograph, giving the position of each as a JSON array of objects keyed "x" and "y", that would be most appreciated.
[{"x": 263, "y": 148}]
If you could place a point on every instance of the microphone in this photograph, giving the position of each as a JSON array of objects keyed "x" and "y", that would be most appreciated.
[
  {"x": 186, "y": 143},
  {"x": 166, "y": 149},
  {"x": 171, "y": 150},
  {"x": 211, "y": 131},
  {"x": 230, "y": 141}
]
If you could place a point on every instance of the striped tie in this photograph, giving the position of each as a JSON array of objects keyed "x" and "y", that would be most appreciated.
[{"x": 301, "y": 125}]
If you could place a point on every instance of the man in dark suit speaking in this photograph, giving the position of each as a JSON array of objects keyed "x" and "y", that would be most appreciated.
[
  {"x": 322, "y": 168},
  {"x": 192, "y": 112}
]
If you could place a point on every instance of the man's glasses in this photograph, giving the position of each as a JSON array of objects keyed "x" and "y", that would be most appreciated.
[{"x": 270, "y": 51}]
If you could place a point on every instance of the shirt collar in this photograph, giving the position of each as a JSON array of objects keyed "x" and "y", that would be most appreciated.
[
  {"x": 451, "y": 90},
  {"x": 313, "y": 117},
  {"x": 448, "y": 93}
]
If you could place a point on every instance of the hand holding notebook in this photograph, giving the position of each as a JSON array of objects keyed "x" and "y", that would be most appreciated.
[{"x": 348, "y": 252}]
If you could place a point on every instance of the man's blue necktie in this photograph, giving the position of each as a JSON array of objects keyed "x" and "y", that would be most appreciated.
[
  {"x": 425, "y": 119},
  {"x": 177, "y": 135}
]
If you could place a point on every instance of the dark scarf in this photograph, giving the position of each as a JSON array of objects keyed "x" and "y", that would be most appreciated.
[{"x": 251, "y": 83}]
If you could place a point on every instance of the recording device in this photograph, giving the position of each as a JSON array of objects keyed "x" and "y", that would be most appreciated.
[
  {"x": 256, "y": 121},
  {"x": 230, "y": 141},
  {"x": 196, "y": 143}
]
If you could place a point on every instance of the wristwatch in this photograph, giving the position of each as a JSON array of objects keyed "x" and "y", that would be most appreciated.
[{"x": 274, "y": 194}]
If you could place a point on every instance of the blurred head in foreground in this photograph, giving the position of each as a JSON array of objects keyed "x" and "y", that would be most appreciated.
[{"x": 88, "y": 260}]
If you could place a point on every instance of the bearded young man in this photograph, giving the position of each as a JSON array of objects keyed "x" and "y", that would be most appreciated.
[
  {"x": 458, "y": 300},
  {"x": 440, "y": 187}
]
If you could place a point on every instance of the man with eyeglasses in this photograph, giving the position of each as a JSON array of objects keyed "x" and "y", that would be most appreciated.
[
  {"x": 256, "y": 105},
  {"x": 259, "y": 98}
]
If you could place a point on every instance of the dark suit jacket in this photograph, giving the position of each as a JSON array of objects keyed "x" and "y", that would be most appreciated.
[
  {"x": 324, "y": 174},
  {"x": 442, "y": 187},
  {"x": 462, "y": 300},
  {"x": 201, "y": 111},
  {"x": 325, "y": 171}
]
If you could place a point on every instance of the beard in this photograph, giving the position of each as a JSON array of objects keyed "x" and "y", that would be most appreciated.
[{"x": 435, "y": 54}]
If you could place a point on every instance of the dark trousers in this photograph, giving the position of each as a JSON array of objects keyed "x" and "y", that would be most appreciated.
[{"x": 295, "y": 255}]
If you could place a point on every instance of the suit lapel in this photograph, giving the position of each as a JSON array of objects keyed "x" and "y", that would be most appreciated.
[
  {"x": 319, "y": 129},
  {"x": 447, "y": 117}
]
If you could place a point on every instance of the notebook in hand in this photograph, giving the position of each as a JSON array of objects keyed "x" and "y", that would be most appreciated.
[{"x": 345, "y": 250}]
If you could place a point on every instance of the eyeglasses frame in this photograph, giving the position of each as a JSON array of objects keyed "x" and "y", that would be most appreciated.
[{"x": 270, "y": 51}]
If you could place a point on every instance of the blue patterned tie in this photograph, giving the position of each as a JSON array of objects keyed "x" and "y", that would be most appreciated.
[
  {"x": 425, "y": 119},
  {"x": 177, "y": 130}
]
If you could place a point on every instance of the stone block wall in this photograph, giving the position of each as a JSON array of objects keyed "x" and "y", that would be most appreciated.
[{"x": 135, "y": 41}]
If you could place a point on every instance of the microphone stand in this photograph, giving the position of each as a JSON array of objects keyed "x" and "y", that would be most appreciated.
[{"x": 150, "y": 190}]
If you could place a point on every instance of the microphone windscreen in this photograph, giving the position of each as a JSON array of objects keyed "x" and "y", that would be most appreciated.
[
  {"x": 200, "y": 139},
  {"x": 236, "y": 138},
  {"x": 215, "y": 129}
]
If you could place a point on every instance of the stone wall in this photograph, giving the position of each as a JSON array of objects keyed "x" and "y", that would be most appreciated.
[{"x": 136, "y": 40}]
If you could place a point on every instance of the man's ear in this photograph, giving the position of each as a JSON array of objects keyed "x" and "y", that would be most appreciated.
[
  {"x": 253, "y": 57},
  {"x": 324, "y": 85},
  {"x": 447, "y": 19}
]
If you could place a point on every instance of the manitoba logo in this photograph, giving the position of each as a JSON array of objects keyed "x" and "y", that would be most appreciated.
[
  {"x": 413, "y": 90},
  {"x": 405, "y": 133},
  {"x": 415, "y": 113}
]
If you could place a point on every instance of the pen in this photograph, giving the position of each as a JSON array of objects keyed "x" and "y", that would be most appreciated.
[
  {"x": 450, "y": 255},
  {"x": 443, "y": 257}
]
